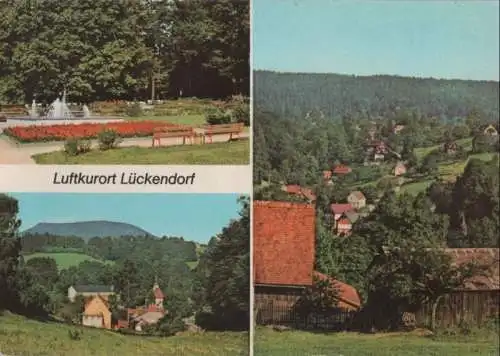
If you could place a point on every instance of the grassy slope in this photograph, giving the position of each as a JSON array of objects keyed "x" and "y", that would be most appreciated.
[
  {"x": 297, "y": 343},
  {"x": 446, "y": 171},
  {"x": 237, "y": 152},
  {"x": 20, "y": 336},
  {"x": 65, "y": 260}
]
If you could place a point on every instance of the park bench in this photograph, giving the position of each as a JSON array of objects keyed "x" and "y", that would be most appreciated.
[
  {"x": 231, "y": 129},
  {"x": 186, "y": 133}
]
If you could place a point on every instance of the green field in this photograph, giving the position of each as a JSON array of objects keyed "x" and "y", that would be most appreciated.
[
  {"x": 299, "y": 343},
  {"x": 237, "y": 152},
  {"x": 421, "y": 152},
  {"x": 20, "y": 336},
  {"x": 65, "y": 259},
  {"x": 447, "y": 171}
]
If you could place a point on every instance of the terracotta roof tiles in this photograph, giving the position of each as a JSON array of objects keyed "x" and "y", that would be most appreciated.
[
  {"x": 348, "y": 295},
  {"x": 284, "y": 243}
]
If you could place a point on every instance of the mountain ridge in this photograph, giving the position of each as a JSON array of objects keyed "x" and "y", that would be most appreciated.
[{"x": 87, "y": 229}]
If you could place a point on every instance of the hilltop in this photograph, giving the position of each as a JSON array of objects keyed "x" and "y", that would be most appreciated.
[
  {"x": 87, "y": 229},
  {"x": 335, "y": 95}
]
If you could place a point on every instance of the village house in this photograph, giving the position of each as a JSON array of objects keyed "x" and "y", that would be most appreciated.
[
  {"x": 89, "y": 291},
  {"x": 399, "y": 169},
  {"x": 327, "y": 177},
  {"x": 297, "y": 190},
  {"x": 284, "y": 258},
  {"x": 343, "y": 226},
  {"x": 96, "y": 312},
  {"x": 357, "y": 199},
  {"x": 376, "y": 150},
  {"x": 397, "y": 129},
  {"x": 490, "y": 130},
  {"x": 450, "y": 147},
  {"x": 142, "y": 316},
  {"x": 341, "y": 169}
]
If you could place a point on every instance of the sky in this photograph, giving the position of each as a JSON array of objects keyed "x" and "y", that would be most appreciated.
[
  {"x": 196, "y": 217},
  {"x": 440, "y": 39}
]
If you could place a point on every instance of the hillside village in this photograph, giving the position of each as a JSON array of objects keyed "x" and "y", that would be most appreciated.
[{"x": 392, "y": 212}]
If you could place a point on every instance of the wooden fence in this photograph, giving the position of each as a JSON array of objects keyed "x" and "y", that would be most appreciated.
[
  {"x": 474, "y": 308},
  {"x": 281, "y": 313}
]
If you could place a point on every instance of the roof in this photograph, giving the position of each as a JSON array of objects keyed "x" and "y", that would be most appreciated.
[
  {"x": 357, "y": 195},
  {"x": 298, "y": 190},
  {"x": 341, "y": 169},
  {"x": 340, "y": 208},
  {"x": 344, "y": 221},
  {"x": 327, "y": 174},
  {"x": 93, "y": 289},
  {"x": 488, "y": 257},
  {"x": 158, "y": 293},
  {"x": 348, "y": 295},
  {"x": 352, "y": 216},
  {"x": 283, "y": 243},
  {"x": 150, "y": 317}
]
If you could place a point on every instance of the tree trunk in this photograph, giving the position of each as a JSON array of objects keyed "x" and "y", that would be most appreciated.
[{"x": 434, "y": 309}]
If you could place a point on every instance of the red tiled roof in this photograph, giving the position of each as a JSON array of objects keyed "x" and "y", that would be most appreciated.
[
  {"x": 488, "y": 257},
  {"x": 158, "y": 293},
  {"x": 284, "y": 243},
  {"x": 340, "y": 208},
  {"x": 341, "y": 169},
  {"x": 327, "y": 174},
  {"x": 348, "y": 295},
  {"x": 298, "y": 190},
  {"x": 343, "y": 221}
]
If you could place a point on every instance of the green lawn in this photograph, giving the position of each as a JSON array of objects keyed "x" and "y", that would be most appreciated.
[
  {"x": 237, "y": 152},
  {"x": 299, "y": 343},
  {"x": 20, "y": 336},
  {"x": 191, "y": 120},
  {"x": 64, "y": 259}
]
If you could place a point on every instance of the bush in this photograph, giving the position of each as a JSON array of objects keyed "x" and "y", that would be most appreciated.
[
  {"x": 134, "y": 110},
  {"x": 242, "y": 114},
  {"x": 74, "y": 147},
  {"x": 217, "y": 117},
  {"x": 108, "y": 139},
  {"x": 74, "y": 334}
]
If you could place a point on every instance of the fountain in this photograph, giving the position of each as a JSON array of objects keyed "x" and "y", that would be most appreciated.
[
  {"x": 57, "y": 113},
  {"x": 59, "y": 110},
  {"x": 33, "y": 112},
  {"x": 86, "y": 112}
]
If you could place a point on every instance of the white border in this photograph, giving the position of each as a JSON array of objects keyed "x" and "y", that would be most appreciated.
[
  {"x": 208, "y": 179},
  {"x": 251, "y": 330}
]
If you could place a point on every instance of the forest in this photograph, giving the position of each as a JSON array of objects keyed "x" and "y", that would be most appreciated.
[
  {"x": 132, "y": 50},
  {"x": 215, "y": 291},
  {"x": 295, "y": 95}
]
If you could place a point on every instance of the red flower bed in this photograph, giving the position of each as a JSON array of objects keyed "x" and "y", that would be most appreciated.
[{"x": 38, "y": 133}]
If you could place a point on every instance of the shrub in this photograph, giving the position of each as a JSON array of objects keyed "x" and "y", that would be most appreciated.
[
  {"x": 242, "y": 114},
  {"x": 108, "y": 139},
  {"x": 71, "y": 147},
  {"x": 134, "y": 110},
  {"x": 74, "y": 334},
  {"x": 217, "y": 117}
]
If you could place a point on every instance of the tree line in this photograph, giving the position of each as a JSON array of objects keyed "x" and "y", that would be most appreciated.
[{"x": 108, "y": 50}]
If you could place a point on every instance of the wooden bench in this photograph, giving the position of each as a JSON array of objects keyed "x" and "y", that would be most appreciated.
[
  {"x": 186, "y": 133},
  {"x": 234, "y": 130}
]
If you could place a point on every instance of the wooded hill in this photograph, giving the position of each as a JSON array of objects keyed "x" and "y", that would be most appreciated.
[
  {"x": 335, "y": 95},
  {"x": 87, "y": 229}
]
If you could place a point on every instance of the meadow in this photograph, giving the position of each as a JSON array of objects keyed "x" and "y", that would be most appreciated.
[
  {"x": 65, "y": 260},
  {"x": 27, "y": 337},
  {"x": 236, "y": 152},
  {"x": 301, "y": 343}
]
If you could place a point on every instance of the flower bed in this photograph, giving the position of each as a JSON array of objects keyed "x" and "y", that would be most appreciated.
[{"x": 43, "y": 133}]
